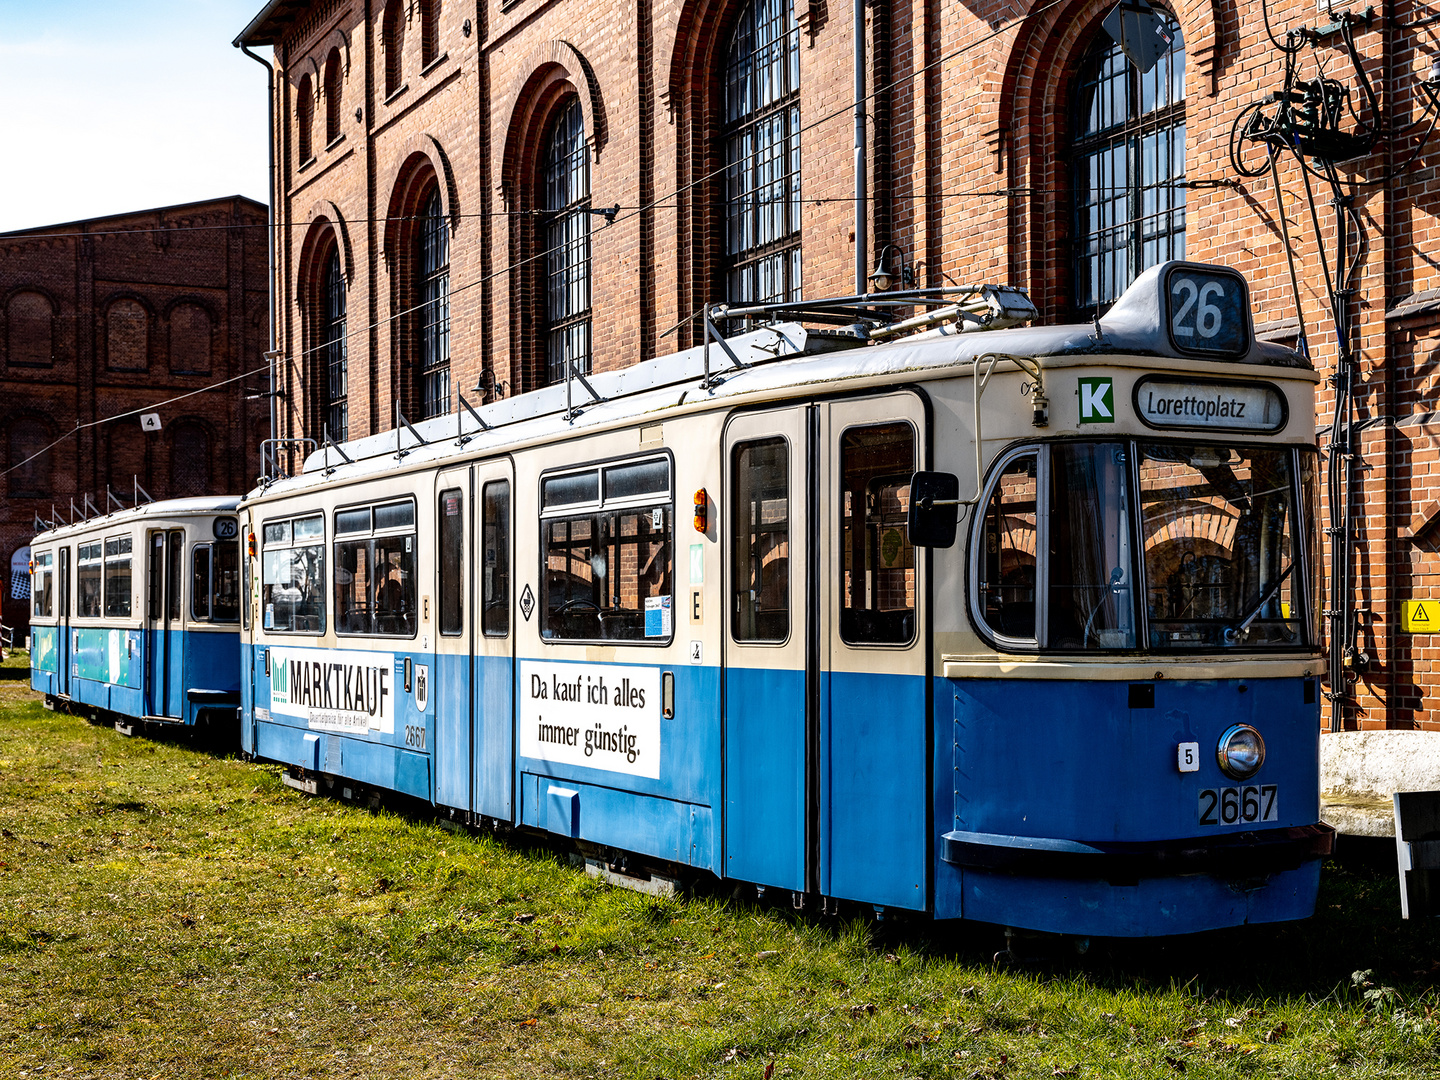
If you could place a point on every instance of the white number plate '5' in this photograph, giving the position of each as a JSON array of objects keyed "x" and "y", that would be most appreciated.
[{"x": 1239, "y": 805}]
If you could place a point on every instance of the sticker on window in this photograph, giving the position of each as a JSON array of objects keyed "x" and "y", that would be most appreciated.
[{"x": 658, "y": 616}]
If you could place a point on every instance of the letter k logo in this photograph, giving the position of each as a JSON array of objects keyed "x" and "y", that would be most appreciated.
[{"x": 1097, "y": 401}]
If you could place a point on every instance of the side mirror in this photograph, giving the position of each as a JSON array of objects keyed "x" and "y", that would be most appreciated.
[{"x": 934, "y": 509}]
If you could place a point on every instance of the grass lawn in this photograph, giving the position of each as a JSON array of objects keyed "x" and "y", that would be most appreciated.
[{"x": 167, "y": 913}]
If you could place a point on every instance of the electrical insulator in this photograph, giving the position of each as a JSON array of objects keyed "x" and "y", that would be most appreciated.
[{"x": 702, "y": 507}]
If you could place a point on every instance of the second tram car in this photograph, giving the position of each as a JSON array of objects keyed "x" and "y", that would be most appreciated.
[
  {"x": 136, "y": 614},
  {"x": 1018, "y": 625}
]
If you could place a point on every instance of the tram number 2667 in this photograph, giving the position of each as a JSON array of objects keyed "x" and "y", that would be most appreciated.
[
  {"x": 415, "y": 736},
  {"x": 1233, "y": 805}
]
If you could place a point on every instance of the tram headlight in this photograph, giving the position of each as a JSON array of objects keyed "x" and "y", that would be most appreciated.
[{"x": 1241, "y": 752}]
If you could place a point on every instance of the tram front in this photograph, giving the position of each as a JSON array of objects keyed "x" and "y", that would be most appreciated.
[{"x": 1127, "y": 705}]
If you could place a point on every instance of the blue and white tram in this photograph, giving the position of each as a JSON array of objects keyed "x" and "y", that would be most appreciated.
[
  {"x": 723, "y": 617},
  {"x": 136, "y": 614}
]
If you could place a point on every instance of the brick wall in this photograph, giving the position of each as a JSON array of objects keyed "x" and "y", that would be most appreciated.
[{"x": 101, "y": 317}]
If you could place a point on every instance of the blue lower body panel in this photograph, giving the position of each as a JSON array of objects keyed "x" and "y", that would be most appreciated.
[
  {"x": 678, "y": 832},
  {"x": 373, "y": 764}
]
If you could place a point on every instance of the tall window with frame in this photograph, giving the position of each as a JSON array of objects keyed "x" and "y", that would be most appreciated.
[
  {"x": 292, "y": 576},
  {"x": 375, "y": 586},
  {"x": 1127, "y": 167},
  {"x": 434, "y": 303},
  {"x": 762, "y": 154},
  {"x": 566, "y": 204},
  {"x": 334, "y": 408},
  {"x": 305, "y": 119}
]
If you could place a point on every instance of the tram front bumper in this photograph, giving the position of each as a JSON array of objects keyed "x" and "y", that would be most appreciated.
[{"x": 1239, "y": 854}]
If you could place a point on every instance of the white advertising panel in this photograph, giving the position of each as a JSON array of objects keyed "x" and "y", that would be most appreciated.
[
  {"x": 599, "y": 716},
  {"x": 334, "y": 689}
]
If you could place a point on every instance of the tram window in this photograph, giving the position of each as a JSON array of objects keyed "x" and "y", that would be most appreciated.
[
  {"x": 244, "y": 597},
  {"x": 495, "y": 584},
  {"x": 117, "y": 577},
  {"x": 215, "y": 581},
  {"x": 200, "y": 581},
  {"x": 1220, "y": 541},
  {"x": 452, "y": 561},
  {"x": 90, "y": 580},
  {"x": 761, "y": 543},
  {"x": 877, "y": 561},
  {"x": 608, "y": 571},
  {"x": 375, "y": 575},
  {"x": 1008, "y": 550},
  {"x": 292, "y": 576},
  {"x": 1091, "y": 598},
  {"x": 43, "y": 591}
]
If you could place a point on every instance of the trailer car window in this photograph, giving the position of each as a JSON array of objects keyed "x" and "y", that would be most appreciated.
[
  {"x": 42, "y": 593},
  {"x": 495, "y": 529},
  {"x": 90, "y": 580},
  {"x": 761, "y": 544},
  {"x": 292, "y": 577},
  {"x": 877, "y": 561},
  {"x": 117, "y": 577},
  {"x": 375, "y": 575}
]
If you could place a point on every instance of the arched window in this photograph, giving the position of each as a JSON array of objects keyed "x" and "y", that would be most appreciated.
[
  {"x": 189, "y": 461},
  {"x": 332, "y": 97},
  {"x": 762, "y": 154},
  {"x": 1126, "y": 167},
  {"x": 393, "y": 36},
  {"x": 429, "y": 31},
  {"x": 433, "y": 261},
  {"x": 30, "y": 330},
  {"x": 29, "y": 460},
  {"x": 127, "y": 336},
  {"x": 565, "y": 200},
  {"x": 190, "y": 340},
  {"x": 305, "y": 118},
  {"x": 334, "y": 406}
]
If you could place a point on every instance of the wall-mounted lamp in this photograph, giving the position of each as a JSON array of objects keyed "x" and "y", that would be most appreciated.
[
  {"x": 488, "y": 384},
  {"x": 883, "y": 276}
]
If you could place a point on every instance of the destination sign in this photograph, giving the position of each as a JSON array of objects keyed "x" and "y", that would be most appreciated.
[
  {"x": 1208, "y": 310},
  {"x": 1201, "y": 405}
]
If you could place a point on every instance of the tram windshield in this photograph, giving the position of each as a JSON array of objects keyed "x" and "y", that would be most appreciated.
[
  {"x": 1219, "y": 530},
  {"x": 1166, "y": 546}
]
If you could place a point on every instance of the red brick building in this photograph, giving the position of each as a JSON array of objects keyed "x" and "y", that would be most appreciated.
[
  {"x": 103, "y": 317},
  {"x": 442, "y": 168}
]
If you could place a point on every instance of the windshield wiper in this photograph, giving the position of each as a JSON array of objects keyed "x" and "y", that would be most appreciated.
[{"x": 1242, "y": 630}]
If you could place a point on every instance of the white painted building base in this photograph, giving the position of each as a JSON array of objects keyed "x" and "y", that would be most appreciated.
[{"x": 1361, "y": 770}]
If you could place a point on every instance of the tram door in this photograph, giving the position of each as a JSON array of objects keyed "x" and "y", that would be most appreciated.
[
  {"x": 494, "y": 683},
  {"x": 62, "y": 612},
  {"x": 771, "y": 735},
  {"x": 164, "y": 662},
  {"x": 873, "y": 732},
  {"x": 453, "y": 630}
]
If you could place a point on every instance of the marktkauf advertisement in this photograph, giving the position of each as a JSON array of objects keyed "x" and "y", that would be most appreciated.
[
  {"x": 599, "y": 716},
  {"x": 334, "y": 690}
]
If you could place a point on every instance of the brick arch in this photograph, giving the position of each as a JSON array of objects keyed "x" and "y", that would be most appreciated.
[
  {"x": 547, "y": 62},
  {"x": 1033, "y": 125},
  {"x": 536, "y": 104},
  {"x": 14, "y": 351},
  {"x": 418, "y": 159},
  {"x": 322, "y": 215},
  {"x": 335, "y": 39}
]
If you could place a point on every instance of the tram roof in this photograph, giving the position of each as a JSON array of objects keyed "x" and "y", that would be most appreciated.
[
  {"x": 776, "y": 357},
  {"x": 165, "y": 508}
]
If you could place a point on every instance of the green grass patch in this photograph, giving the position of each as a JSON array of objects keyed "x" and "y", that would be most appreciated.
[{"x": 164, "y": 912}]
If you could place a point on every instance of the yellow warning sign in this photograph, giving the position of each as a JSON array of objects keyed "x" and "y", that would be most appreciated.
[{"x": 1421, "y": 616}]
